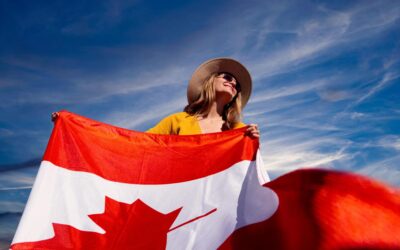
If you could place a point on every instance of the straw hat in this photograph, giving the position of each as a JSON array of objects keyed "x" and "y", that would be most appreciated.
[{"x": 219, "y": 65}]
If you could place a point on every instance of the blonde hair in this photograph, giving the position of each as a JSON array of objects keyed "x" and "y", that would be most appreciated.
[{"x": 201, "y": 106}]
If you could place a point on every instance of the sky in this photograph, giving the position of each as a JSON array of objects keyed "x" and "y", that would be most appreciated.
[{"x": 326, "y": 77}]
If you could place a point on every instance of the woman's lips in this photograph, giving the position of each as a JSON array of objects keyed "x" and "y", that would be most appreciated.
[{"x": 230, "y": 86}]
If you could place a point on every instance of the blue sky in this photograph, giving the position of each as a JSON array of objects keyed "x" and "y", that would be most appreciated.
[{"x": 326, "y": 76}]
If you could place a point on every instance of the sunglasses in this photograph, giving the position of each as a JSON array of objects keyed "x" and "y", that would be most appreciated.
[{"x": 230, "y": 78}]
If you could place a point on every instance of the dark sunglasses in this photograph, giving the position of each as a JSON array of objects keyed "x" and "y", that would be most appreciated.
[{"x": 230, "y": 78}]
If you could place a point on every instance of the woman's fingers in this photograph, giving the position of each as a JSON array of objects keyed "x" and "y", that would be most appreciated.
[
  {"x": 253, "y": 131},
  {"x": 54, "y": 116}
]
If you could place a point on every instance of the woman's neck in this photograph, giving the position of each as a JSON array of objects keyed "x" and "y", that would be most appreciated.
[{"x": 216, "y": 111}]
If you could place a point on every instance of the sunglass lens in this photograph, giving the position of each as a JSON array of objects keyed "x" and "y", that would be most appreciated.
[
  {"x": 228, "y": 77},
  {"x": 238, "y": 88}
]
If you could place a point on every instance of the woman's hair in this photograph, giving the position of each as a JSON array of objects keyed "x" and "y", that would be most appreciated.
[{"x": 201, "y": 106}]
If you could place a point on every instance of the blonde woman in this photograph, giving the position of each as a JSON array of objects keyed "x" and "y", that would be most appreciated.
[{"x": 217, "y": 92}]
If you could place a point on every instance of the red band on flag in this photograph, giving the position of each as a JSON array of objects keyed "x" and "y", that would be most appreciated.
[{"x": 81, "y": 144}]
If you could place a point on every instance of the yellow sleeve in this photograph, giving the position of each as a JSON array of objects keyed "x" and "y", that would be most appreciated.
[{"x": 164, "y": 127}]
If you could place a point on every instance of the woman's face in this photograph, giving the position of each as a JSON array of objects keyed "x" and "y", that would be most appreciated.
[{"x": 225, "y": 86}]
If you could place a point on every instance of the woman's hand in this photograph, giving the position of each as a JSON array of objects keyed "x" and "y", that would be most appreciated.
[
  {"x": 54, "y": 116},
  {"x": 252, "y": 131}
]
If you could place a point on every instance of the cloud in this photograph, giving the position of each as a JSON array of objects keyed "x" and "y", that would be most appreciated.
[
  {"x": 272, "y": 105},
  {"x": 17, "y": 179},
  {"x": 334, "y": 95},
  {"x": 105, "y": 15},
  {"x": 387, "y": 78},
  {"x": 27, "y": 164},
  {"x": 11, "y": 206},
  {"x": 373, "y": 17},
  {"x": 79, "y": 87},
  {"x": 314, "y": 36},
  {"x": 324, "y": 33},
  {"x": 294, "y": 155},
  {"x": 288, "y": 149},
  {"x": 389, "y": 141},
  {"x": 357, "y": 115},
  {"x": 290, "y": 88},
  {"x": 131, "y": 120},
  {"x": 6, "y": 132},
  {"x": 385, "y": 170}
]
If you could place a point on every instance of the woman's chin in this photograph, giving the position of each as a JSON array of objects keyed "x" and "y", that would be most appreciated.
[{"x": 225, "y": 97}]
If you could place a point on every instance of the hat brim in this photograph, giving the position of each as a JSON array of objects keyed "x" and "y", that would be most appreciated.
[{"x": 219, "y": 65}]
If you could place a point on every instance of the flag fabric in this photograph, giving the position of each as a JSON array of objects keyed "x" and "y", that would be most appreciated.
[
  {"x": 103, "y": 187},
  {"x": 325, "y": 209}
]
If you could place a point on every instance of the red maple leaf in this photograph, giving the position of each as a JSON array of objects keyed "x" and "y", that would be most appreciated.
[{"x": 127, "y": 226}]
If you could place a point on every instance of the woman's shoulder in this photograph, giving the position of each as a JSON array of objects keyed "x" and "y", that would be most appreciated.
[
  {"x": 180, "y": 116},
  {"x": 173, "y": 123}
]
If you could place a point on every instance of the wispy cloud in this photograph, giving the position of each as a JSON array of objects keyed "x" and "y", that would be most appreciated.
[
  {"x": 294, "y": 154},
  {"x": 27, "y": 164},
  {"x": 108, "y": 16},
  {"x": 387, "y": 78},
  {"x": 11, "y": 206},
  {"x": 313, "y": 37},
  {"x": 386, "y": 170},
  {"x": 389, "y": 141},
  {"x": 316, "y": 37},
  {"x": 17, "y": 179},
  {"x": 289, "y": 89},
  {"x": 261, "y": 108},
  {"x": 81, "y": 88},
  {"x": 132, "y": 120}
]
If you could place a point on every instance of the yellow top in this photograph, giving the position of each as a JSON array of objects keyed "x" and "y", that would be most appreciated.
[{"x": 180, "y": 124}]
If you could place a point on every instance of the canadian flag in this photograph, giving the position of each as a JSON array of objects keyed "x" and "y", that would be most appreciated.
[{"x": 102, "y": 187}]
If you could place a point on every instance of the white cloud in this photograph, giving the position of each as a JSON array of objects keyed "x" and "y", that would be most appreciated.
[
  {"x": 257, "y": 109},
  {"x": 286, "y": 90},
  {"x": 132, "y": 120},
  {"x": 316, "y": 37},
  {"x": 292, "y": 150},
  {"x": 17, "y": 179},
  {"x": 11, "y": 206},
  {"x": 357, "y": 115},
  {"x": 300, "y": 156},
  {"x": 385, "y": 170},
  {"x": 387, "y": 78},
  {"x": 389, "y": 141}
]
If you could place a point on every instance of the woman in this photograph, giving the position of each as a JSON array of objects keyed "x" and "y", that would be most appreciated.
[{"x": 217, "y": 91}]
